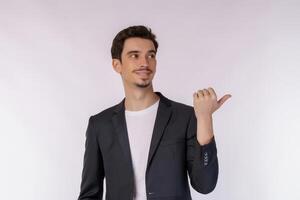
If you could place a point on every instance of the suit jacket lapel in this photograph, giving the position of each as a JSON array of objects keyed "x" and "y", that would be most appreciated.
[
  {"x": 120, "y": 127},
  {"x": 163, "y": 115}
]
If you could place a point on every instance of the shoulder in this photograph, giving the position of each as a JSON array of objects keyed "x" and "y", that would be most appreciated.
[
  {"x": 182, "y": 108},
  {"x": 104, "y": 115}
]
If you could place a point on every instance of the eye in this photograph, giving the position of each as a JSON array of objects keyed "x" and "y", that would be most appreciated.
[
  {"x": 133, "y": 55},
  {"x": 152, "y": 56}
]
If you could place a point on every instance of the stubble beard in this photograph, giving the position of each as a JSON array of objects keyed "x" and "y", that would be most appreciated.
[{"x": 144, "y": 85}]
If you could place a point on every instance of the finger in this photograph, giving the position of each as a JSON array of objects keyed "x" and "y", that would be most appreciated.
[
  {"x": 212, "y": 92},
  {"x": 195, "y": 95},
  {"x": 206, "y": 92},
  {"x": 200, "y": 93},
  {"x": 223, "y": 99}
]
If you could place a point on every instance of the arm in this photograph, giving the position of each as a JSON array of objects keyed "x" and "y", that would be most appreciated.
[
  {"x": 91, "y": 187},
  {"x": 202, "y": 160}
]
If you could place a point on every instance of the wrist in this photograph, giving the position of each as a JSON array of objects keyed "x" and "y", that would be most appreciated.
[{"x": 204, "y": 118}]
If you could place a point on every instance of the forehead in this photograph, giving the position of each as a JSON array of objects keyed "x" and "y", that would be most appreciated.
[{"x": 138, "y": 44}]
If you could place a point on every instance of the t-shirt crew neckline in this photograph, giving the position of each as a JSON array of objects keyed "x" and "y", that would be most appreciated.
[{"x": 144, "y": 111}]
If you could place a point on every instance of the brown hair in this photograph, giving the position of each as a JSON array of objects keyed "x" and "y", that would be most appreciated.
[{"x": 132, "y": 31}]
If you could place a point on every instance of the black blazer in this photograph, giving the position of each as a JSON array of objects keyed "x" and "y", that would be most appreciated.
[{"x": 174, "y": 151}]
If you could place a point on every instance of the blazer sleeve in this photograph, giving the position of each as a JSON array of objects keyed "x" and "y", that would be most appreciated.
[
  {"x": 202, "y": 160},
  {"x": 91, "y": 187}
]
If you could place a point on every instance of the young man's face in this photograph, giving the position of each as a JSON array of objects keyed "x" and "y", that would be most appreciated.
[{"x": 138, "y": 64}]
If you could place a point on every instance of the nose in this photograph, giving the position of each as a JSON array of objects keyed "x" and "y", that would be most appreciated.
[{"x": 144, "y": 61}]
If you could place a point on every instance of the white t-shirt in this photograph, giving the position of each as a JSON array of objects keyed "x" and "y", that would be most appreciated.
[{"x": 140, "y": 126}]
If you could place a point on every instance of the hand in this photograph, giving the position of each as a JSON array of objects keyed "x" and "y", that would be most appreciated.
[{"x": 205, "y": 102}]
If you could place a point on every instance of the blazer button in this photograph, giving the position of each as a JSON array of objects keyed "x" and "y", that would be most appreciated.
[{"x": 205, "y": 158}]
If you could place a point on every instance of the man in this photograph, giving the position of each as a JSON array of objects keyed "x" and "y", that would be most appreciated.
[{"x": 145, "y": 145}]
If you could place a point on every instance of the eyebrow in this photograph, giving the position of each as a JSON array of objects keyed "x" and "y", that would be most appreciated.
[
  {"x": 135, "y": 51},
  {"x": 152, "y": 51}
]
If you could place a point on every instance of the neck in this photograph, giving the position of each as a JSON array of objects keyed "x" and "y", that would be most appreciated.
[{"x": 139, "y": 99}]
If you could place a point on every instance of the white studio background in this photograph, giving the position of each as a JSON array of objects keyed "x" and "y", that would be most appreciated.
[{"x": 55, "y": 71}]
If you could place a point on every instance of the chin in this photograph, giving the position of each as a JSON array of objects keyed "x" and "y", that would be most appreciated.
[{"x": 143, "y": 85}]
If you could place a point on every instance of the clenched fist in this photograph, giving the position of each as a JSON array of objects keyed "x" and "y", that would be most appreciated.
[{"x": 205, "y": 102}]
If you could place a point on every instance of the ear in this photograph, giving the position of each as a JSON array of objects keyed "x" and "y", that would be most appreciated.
[{"x": 116, "y": 63}]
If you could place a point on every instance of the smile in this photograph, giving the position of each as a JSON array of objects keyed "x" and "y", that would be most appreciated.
[{"x": 143, "y": 72}]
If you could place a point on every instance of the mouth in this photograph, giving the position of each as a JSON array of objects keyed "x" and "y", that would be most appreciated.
[{"x": 143, "y": 72}]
